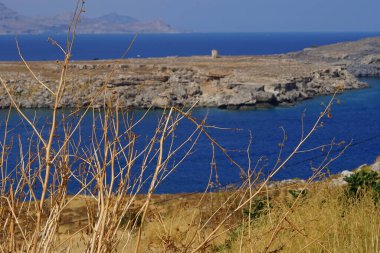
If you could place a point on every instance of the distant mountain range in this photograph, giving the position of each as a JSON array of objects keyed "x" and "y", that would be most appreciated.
[{"x": 11, "y": 22}]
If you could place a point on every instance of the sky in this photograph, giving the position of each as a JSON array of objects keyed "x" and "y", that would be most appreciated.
[{"x": 228, "y": 15}]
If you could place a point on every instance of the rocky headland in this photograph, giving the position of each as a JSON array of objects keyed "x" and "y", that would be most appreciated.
[
  {"x": 361, "y": 58},
  {"x": 226, "y": 82}
]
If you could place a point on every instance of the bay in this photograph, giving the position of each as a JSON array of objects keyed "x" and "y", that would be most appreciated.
[{"x": 355, "y": 119}]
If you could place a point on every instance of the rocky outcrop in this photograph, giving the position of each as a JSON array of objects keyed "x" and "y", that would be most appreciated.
[
  {"x": 233, "y": 94},
  {"x": 361, "y": 58},
  {"x": 226, "y": 82},
  {"x": 340, "y": 179}
]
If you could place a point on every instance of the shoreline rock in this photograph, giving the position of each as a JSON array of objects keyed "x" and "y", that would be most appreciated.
[
  {"x": 334, "y": 180},
  {"x": 241, "y": 82},
  {"x": 235, "y": 82},
  {"x": 361, "y": 58}
]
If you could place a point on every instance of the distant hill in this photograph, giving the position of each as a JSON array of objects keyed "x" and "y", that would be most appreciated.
[{"x": 11, "y": 22}]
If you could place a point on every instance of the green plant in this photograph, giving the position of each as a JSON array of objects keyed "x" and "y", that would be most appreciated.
[
  {"x": 260, "y": 206},
  {"x": 233, "y": 236},
  {"x": 361, "y": 182},
  {"x": 296, "y": 193}
]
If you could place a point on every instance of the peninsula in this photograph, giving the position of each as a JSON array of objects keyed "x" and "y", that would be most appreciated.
[{"x": 233, "y": 82}]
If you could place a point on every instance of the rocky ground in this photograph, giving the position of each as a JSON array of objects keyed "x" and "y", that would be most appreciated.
[
  {"x": 224, "y": 82},
  {"x": 361, "y": 58}
]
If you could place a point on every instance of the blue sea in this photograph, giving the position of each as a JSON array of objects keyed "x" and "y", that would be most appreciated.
[
  {"x": 355, "y": 116},
  {"x": 90, "y": 47}
]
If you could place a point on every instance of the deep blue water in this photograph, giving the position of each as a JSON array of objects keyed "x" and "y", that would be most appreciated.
[
  {"x": 88, "y": 47},
  {"x": 355, "y": 118}
]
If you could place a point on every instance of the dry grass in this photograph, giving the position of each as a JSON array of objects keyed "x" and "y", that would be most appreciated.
[{"x": 319, "y": 222}]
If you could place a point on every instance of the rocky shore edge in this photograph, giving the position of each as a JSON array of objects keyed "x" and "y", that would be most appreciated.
[
  {"x": 239, "y": 82},
  {"x": 334, "y": 180}
]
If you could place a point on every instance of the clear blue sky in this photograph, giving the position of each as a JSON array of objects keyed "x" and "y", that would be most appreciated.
[{"x": 229, "y": 15}]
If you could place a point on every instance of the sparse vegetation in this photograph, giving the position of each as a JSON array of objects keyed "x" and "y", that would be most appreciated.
[{"x": 363, "y": 182}]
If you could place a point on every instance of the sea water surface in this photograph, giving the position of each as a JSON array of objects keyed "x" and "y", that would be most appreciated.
[
  {"x": 355, "y": 120},
  {"x": 90, "y": 47}
]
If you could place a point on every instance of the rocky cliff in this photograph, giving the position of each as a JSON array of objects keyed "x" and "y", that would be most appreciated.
[{"x": 226, "y": 82}]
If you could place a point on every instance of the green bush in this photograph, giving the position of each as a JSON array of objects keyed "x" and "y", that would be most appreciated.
[
  {"x": 259, "y": 207},
  {"x": 362, "y": 182}
]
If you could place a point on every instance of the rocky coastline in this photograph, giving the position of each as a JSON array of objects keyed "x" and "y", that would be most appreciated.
[
  {"x": 236, "y": 82},
  {"x": 333, "y": 180},
  {"x": 361, "y": 58}
]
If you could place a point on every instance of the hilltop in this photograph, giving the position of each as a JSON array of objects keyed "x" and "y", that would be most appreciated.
[{"x": 14, "y": 23}]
